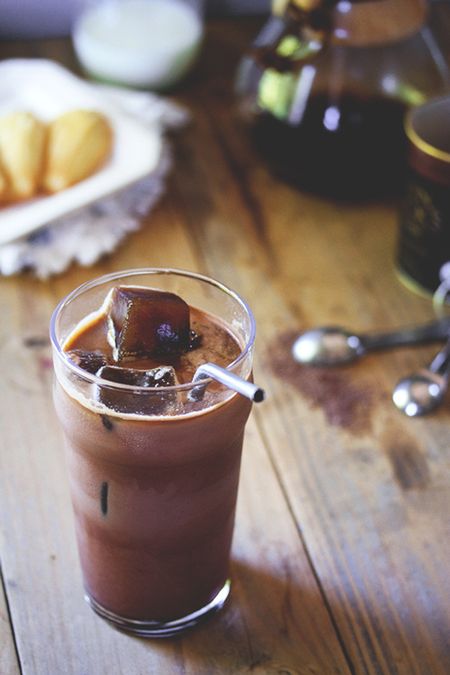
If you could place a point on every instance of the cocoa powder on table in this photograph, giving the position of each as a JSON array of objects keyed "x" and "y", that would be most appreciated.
[{"x": 346, "y": 400}]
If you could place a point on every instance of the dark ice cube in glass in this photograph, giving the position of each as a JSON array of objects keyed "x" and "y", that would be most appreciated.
[
  {"x": 147, "y": 323},
  {"x": 144, "y": 403},
  {"x": 90, "y": 361}
]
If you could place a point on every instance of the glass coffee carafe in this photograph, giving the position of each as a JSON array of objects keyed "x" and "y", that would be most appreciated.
[{"x": 325, "y": 86}]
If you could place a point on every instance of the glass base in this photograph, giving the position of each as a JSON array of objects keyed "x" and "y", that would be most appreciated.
[{"x": 161, "y": 628}]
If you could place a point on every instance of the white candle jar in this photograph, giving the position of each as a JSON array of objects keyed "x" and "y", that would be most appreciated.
[{"x": 139, "y": 43}]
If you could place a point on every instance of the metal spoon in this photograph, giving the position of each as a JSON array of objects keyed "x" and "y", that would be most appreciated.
[
  {"x": 332, "y": 345},
  {"x": 422, "y": 392}
]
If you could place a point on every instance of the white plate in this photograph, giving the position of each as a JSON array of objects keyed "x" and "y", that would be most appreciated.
[{"x": 47, "y": 90}]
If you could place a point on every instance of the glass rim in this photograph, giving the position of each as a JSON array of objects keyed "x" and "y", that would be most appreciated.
[
  {"x": 136, "y": 389},
  {"x": 416, "y": 139}
]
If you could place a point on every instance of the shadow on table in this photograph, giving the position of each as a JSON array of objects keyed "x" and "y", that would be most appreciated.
[
  {"x": 269, "y": 624},
  {"x": 274, "y": 624}
]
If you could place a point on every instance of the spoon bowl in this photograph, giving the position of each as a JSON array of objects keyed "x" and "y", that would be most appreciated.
[
  {"x": 326, "y": 346},
  {"x": 422, "y": 392},
  {"x": 333, "y": 345},
  {"x": 419, "y": 394}
]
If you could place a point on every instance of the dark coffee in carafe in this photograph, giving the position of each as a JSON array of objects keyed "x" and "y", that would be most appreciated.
[{"x": 325, "y": 87}]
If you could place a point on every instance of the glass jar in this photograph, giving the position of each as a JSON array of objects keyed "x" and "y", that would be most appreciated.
[
  {"x": 148, "y": 44},
  {"x": 325, "y": 87},
  {"x": 423, "y": 248}
]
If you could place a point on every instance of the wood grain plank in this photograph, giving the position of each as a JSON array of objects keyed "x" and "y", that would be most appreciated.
[
  {"x": 9, "y": 664},
  {"x": 372, "y": 501},
  {"x": 277, "y": 618},
  {"x": 276, "y": 600}
]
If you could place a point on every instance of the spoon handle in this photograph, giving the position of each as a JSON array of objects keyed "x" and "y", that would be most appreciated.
[
  {"x": 436, "y": 330},
  {"x": 440, "y": 365}
]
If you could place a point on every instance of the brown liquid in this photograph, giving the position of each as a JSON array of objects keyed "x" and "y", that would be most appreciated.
[
  {"x": 217, "y": 345},
  {"x": 154, "y": 498},
  {"x": 351, "y": 148}
]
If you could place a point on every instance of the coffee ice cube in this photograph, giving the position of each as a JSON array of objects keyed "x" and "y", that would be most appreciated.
[
  {"x": 144, "y": 322},
  {"x": 162, "y": 376},
  {"x": 144, "y": 403},
  {"x": 90, "y": 361}
]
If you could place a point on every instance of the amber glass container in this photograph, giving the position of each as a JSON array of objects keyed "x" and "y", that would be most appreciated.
[
  {"x": 424, "y": 233},
  {"x": 325, "y": 86}
]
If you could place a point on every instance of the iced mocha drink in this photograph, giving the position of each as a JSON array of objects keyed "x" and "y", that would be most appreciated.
[{"x": 153, "y": 471}]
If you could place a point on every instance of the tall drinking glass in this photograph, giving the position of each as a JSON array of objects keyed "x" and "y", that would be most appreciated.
[{"x": 153, "y": 493}]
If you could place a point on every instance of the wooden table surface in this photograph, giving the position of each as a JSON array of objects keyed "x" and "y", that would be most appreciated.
[{"x": 341, "y": 553}]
